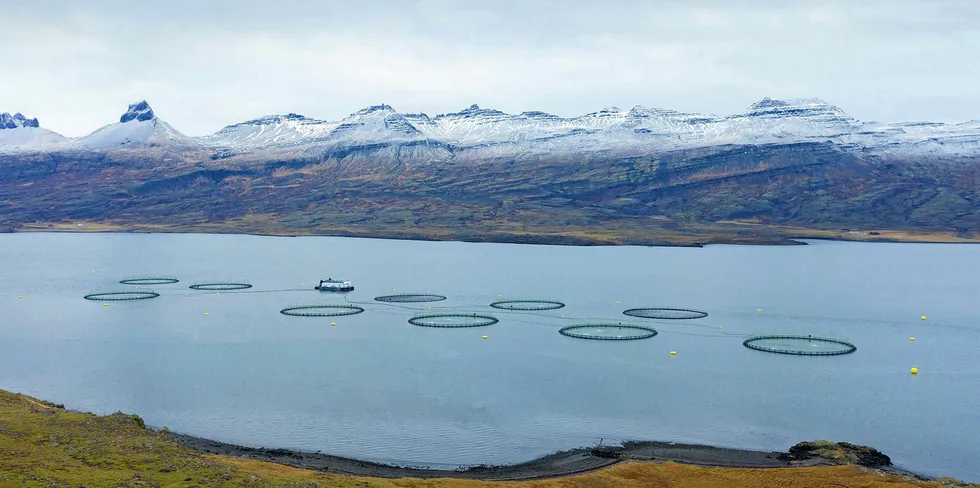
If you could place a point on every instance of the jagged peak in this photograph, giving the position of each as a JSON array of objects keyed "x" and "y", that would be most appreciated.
[
  {"x": 16, "y": 120},
  {"x": 139, "y": 111}
]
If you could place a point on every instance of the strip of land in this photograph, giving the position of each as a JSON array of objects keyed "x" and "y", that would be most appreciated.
[
  {"x": 563, "y": 463},
  {"x": 44, "y": 444},
  {"x": 651, "y": 232}
]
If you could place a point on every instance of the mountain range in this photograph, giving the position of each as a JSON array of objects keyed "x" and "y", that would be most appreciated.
[{"x": 779, "y": 169}]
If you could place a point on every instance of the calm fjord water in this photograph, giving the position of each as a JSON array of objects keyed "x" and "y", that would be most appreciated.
[{"x": 375, "y": 387}]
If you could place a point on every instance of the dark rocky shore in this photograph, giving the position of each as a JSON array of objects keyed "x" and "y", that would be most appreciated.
[{"x": 564, "y": 463}]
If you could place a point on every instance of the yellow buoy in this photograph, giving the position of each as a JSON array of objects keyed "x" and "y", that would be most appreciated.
[
  {"x": 206, "y": 314},
  {"x": 21, "y": 297},
  {"x": 758, "y": 310},
  {"x": 673, "y": 353},
  {"x": 484, "y": 337},
  {"x": 911, "y": 338},
  {"x": 107, "y": 304},
  {"x": 333, "y": 324},
  {"x": 301, "y": 284},
  {"x": 915, "y": 371},
  {"x": 617, "y": 302},
  {"x": 562, "y": 316},
  {"x": 923, "y": 317},
  {"x": 720, "y": 326}
]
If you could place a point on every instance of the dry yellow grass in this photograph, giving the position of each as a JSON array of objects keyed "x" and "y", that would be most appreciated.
[{"x": 625, "y": 475}]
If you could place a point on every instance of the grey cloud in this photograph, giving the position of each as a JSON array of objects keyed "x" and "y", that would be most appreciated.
[{"x": 203, "y": 65}]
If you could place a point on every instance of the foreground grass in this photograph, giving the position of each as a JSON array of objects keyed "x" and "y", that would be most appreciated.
[{"x": 42, "y": 445}]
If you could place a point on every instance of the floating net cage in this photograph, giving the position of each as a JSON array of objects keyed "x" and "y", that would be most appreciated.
[
  {"x": 118, "y": 296},
  {"x": 410, "y": 298},
  {"x": 321, "y": 310},
  {"x": 221, "y": 286},
  {"x": 149, "y": 281},
  {"x": 608, "y": 332},
  {"x": 799, "y": 345},
  {"x": 666, "y": 313},
  {"x": 527, "y": 305},
  {"x": 449, "y": 320}
]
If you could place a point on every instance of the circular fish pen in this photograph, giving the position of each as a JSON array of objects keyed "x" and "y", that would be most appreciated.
[
  {"x": 527, "y": 305},
  {"x": 799, "y": 345},
  {"x": 452, "y": 320},
  {"x": 119, "y": 296},
  {"x": 321, "y": 310},
  {"x": 410, "y": 298},
  {"x": 608, "y": 332},
  {"x": 149, "y": 281},
  {"x": 666, "y": 313},
  {"x": 220, "y": 286}
]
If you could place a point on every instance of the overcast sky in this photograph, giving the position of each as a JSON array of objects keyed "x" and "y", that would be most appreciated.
[{"x": 202, "y": 65}]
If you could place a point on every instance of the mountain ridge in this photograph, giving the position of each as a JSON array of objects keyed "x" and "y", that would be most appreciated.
[
  {"x": 652, "y": 129},
  {"x": 781, "y": 169}
]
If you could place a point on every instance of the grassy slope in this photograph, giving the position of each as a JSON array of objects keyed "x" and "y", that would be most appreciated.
[
  {"x": 42, "y": 445},
  {"x": 744, "y": 194}
]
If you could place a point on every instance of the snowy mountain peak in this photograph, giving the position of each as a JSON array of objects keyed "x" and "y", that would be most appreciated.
[
  {"x": 139, "y": 111},
  {"x": 273, "y": 119},
  {"x": 271, "y": 130},
  {"x": 767, "y": 103},
  {"x": 16, "y": 120},
  {"x": 794, "y": 107},
  {"x": 608, "y": 112},
  {"x": 374, "y": 108},
  {"x": 373, "y": 124},
  {"x": 535, "y": 114},
  {"x": 473, "y": 111},
  {"x": 19, "y": 133},
  {"x": 138, "y": 127}
]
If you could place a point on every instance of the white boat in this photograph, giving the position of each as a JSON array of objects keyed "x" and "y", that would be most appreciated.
[{"x": 331, "y": 284}]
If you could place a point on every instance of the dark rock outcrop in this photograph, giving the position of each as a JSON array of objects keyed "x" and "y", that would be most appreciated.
[
  {"x": 837, "y": 453},
  {"x": 139, "y": 111},
  {"x": 16, "y": 120}
]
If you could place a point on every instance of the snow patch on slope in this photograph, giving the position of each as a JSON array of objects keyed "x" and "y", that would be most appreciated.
[{"x": 271, "y": 130}]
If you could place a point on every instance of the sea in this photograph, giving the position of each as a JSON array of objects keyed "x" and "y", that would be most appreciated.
[{"x": 229, "y": 366}]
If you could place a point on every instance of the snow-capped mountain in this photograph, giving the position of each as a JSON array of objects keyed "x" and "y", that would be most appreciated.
[
  {"x": 19, "y": 133},
  {"x": 479, "y": 133},
  {"x": 137, "y": 127},
  {"x": 271, "y": 130}
]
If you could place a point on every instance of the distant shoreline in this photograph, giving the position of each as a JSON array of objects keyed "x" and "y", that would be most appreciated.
[{"x": 574, "y": 237}]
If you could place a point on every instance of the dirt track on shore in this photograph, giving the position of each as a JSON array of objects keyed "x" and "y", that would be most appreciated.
[{"x": 563, "y": 463}]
